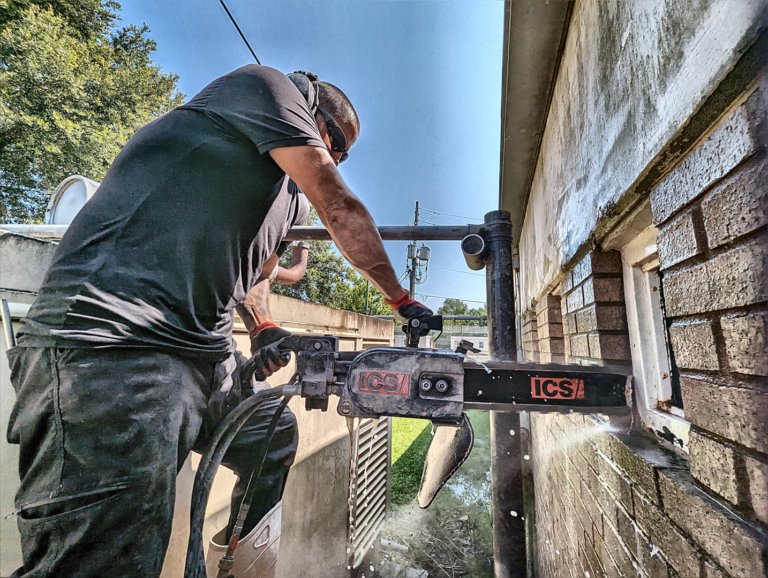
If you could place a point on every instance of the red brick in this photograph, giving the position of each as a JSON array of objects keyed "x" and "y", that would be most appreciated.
[
  {"x": 746, "y": 343},
  {"x": 619, "y": 553},
  {"x": 603, "y": 289},
  {"x": 713, "y": 464},
  {"x": 727, "y": 471},
  {"x": 546, "y": 302},
  {"x": 677, "y": 241},
  {"x": 550, "y": 315},
  {"x": 602, "y": 346},
  {"x": 739, "y": 548},
  {"x": 579, "y": 346},
  {"x": 641, "y": 473},
  {"x": 552, "y": 346},
  {"x": 737, "y": 206},
  {"x": 639, "y": 545},
  {"x": 677, "y": 549},
  {"x": 728, "y": 145},
  {"x": 574, "y": 300},
  {"x": 611, "y": 317},
  {"x": 566, "y": 284},
  {"x": 550, "y": 330},
  {"x": 597, "y": 262},
  {"x": 732, "y": 279},
  {"x": 694, "y": 346},
  {"x": 569, "y": 324},
  {"x": 618, "y": 485},
  {"x": 735, "y": 413},
  {"x": 756, "y": 473}
]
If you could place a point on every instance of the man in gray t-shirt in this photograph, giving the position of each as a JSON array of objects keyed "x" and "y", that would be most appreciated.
[{"x": 126, "y": 362}]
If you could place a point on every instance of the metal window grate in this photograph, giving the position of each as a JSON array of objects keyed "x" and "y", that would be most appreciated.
[{"x": 369, "y": 486}]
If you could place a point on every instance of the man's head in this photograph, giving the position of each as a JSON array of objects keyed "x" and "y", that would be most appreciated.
[{"x": 336, "y": 113}]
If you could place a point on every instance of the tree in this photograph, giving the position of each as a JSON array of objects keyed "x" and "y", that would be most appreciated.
[
  {"x": 74, "y": 89},
  {"x": 330, "y": 281},
  {"x": 458, "y": 307}
]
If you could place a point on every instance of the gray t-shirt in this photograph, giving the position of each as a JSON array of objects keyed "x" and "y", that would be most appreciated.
[{"x": 179, "y": 229}]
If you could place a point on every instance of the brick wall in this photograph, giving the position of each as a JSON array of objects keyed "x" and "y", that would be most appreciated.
[
  {"x": 614, "y": 502},
  {"x": 530, "y": 336},
  {"x": 594, "y": 316},
  {"x": 711, "y": 215},
  {"x": 549, "y": 320}
]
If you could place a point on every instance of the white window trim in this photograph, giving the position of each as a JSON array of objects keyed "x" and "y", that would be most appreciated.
[{"x": 650, "y": 361}]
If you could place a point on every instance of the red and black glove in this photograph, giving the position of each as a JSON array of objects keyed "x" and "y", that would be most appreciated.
[
  {"x": 405, "y": 308},
  {"x": 267, "y": 355}
]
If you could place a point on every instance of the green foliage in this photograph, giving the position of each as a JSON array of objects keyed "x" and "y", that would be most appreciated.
[
  {"x": 458, "y": 307},
  {"x": 73, "y": 91},
  {"x": 330, "y": 281}
]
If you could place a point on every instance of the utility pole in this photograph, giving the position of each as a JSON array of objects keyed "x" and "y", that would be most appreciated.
[
  {"x": 413, "y": 254},
  {"x": 367, "y": 290}
]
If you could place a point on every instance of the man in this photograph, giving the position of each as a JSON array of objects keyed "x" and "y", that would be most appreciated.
[{"x": 126, "y": 360}]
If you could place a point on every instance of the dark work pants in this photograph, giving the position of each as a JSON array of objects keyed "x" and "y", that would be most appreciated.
[{"x": 102, "y": 434}]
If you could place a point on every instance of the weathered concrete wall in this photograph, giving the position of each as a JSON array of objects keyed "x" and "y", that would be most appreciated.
[{"x": 632, "y": 75}]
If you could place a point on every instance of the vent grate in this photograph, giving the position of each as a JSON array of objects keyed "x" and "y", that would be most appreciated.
[{"x": 369, "y": 486}]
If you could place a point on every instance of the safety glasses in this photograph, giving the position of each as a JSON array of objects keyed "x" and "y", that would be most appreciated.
[{"x": 336, "y": 135}]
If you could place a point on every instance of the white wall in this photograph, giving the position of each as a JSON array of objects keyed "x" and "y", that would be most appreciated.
[{"x": 631, "y": 76}]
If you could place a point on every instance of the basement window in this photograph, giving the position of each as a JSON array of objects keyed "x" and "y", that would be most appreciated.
[{"x": 657, "y": 386}]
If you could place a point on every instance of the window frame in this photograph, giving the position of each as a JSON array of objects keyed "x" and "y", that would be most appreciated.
[{"x": 646, "y": 325}]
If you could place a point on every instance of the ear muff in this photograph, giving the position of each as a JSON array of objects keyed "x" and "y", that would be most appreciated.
[{"x": 306, "y": 82}]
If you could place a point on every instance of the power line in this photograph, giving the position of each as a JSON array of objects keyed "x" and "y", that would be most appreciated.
[
  {"x": 232, "y": 18},
  {"x": 457, "y": 271},
  {"x": 450, "y": 215},
  {"x": 440, "y": 297}
]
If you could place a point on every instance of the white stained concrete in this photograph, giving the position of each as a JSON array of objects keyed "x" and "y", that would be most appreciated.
[{"x": 631, "y": 76}]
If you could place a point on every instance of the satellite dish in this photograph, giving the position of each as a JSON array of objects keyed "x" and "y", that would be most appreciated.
[{"x": 68, "y": 198}]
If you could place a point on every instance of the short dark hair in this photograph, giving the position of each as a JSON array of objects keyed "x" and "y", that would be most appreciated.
[{"x": 336, "y": 103}]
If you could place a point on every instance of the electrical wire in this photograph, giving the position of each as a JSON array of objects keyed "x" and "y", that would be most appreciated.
[
  {"x": 232, "y": 18},
  {"x": 449, "y": 214},
  {"x": 441, "y": 297},
  {"x": 457, "y": 271}
]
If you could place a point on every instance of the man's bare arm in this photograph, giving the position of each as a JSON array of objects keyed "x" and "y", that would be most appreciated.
[
  {"x": 254, "y": 309},
  {"x": 350, "y": 224},
  {"x": 297, "y": 269}
]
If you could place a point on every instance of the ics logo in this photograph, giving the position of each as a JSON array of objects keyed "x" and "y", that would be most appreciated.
[
  {"x": 557, "y": 388},
  {"x": 378, "y": 382}
]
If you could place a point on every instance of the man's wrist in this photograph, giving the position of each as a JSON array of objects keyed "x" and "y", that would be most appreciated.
[{"x": 398, "y": 302}]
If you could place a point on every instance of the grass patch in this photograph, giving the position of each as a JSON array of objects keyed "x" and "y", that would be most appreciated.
[
  {"x": 453, "y": 538},
  {"x": 410, "y": 441}
]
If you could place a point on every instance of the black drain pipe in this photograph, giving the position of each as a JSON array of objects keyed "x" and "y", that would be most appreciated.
[{"x": 506, "y": 457}]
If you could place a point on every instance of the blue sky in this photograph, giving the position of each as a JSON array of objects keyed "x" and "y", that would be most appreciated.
[{"x": 424, "y": 76}]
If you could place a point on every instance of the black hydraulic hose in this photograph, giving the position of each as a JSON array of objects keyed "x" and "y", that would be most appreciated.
[
  {"x": 245, "y": 505},
  {"x": 206, "y": 472}
]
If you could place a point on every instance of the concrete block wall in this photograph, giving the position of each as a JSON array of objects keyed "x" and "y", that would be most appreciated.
[
  {"x": 549, "y": 321},
  {"x": 530, "y": 332},
  {"x": 712, "y": 216},
  {"x": 593, "y": 311}
]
